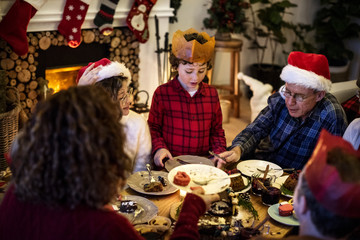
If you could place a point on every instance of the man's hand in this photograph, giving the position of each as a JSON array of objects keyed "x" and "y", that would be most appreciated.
[
  {"x": 218, "y": 162},
  {"x": 160, "y": 155},
  {"x": 208, "y": 198},
  {"x": 230, "y": 156},
  {"x": 89, "y": 76}
]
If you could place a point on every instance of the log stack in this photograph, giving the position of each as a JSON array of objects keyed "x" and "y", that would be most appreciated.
[{"x": 21, "y": 70}]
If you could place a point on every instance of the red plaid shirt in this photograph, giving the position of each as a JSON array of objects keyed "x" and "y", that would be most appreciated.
[
  {"x": 186, "y": 125},
  {"x": 352, "y": 108}
]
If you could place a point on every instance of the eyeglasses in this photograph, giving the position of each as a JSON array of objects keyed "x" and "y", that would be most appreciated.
[
  {"x": 126, "y": 96},
  {"x": 298, "y": 97}
]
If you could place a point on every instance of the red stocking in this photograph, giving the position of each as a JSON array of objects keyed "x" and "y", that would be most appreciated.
[
  {"x": 13, "y": 26},
  {"x": 137, "y": 19},
  {"x": 73, "y": 17}
]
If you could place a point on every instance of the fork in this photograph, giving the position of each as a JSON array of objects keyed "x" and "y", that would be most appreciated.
[
  {"x": 278, "y": 169},
  {"x": 152, "y": 179}
]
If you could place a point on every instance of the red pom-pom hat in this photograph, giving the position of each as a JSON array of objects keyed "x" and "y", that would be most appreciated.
[{"x": 109, "y": 69}]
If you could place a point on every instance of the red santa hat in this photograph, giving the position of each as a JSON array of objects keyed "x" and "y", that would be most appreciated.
[
  {"x": 307, "y": 69},
  {"x": 335, "y": 184},
  {"x": 109, "y": 69}
]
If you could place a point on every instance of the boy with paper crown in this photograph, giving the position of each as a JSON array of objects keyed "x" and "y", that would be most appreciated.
[
  {"x": 294, "y": 117},
  {"x": 115, "y": 78},
  {"x": 185, "y": 116}
]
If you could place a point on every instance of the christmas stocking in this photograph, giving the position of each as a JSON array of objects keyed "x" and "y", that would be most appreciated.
[
  {"x": 13, "y": 26},
  {"x": 73, "y": 18},
  {"x": 138, "y": 17},
  {"x": 105, "y": 17}
]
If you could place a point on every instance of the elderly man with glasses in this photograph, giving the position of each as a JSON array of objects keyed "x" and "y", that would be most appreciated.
[{"x": 294, "y": 117}]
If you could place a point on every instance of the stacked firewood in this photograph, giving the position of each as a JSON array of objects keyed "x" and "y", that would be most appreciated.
[{"x": 21, "y": 70}]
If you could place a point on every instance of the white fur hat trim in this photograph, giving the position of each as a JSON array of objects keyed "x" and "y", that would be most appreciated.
[
  {"x": 292, "y": 74},
  {"x": 114, "y": 69}
]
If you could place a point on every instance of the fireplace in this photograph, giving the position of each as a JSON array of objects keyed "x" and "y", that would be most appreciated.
[
  {"x": 46, "y": 21},
  {"x": 61, "y": 78},
  {"x": 51, "y": 65}
]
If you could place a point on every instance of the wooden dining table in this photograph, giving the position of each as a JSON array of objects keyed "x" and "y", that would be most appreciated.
[{"x": 164, "y": 202}]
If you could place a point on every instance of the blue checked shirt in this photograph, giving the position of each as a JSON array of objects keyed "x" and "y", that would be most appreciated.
[{"x": 292, "y": 140}]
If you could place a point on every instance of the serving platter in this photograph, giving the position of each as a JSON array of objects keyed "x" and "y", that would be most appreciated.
[
  {"x": 250, "y": 167},
  {"x": 138, "y": 179},
  {"x": 201, "y": 171}
]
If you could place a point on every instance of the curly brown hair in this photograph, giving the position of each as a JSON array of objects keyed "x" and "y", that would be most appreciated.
[{"x": 71, "y": 152}]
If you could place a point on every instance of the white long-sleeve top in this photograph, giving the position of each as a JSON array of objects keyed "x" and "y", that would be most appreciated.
[
  {"x": 352, "y": 133},
  {"x": 138, "y": 140}
]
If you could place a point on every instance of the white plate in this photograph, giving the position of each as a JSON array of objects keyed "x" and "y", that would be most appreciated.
[
  {"x": 200, "y": 170},
  {"x": 191, "y": 159},
  {"x": 150, "y": 209},
  {"x": 273, "y": 211},
  {"x": 280, "y": 181},
  {"x": 250, "y": 167},
  {"x": 137, "y": 181}
]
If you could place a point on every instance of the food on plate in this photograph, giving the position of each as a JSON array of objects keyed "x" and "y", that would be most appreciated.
[
  {"x": 145, "y": 230},
  {"x": 291, "y": 181},
  {"x": 257, "y": 184},
  {"x": 220, "y": 208},
  {"x": 128, "y": 206},
  {"x": 162, "y": 180},
  {"x": 181, "y": 179},
  {"x": 161, "y": 222},
  {"x": 285, "y": 209},
  {"x": 155, "y": 228},
  {"x": 211, "y": 226},
  {"x": 237, "y": 183},
  {"x": 153, "y": 187}
]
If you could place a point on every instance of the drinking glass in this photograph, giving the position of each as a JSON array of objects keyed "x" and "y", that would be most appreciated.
[{"x": 256, "y": 188}]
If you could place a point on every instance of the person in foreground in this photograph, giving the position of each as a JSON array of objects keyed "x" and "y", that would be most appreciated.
[
  {"x": 294, "y": 117},
  {"x": 185, "y": 116},
  {"x": 326, "y": 198},
  {"x": 69, "y": 165},
  {"x": 352, "y": 133},
  {"x": 115, "y": 78}
]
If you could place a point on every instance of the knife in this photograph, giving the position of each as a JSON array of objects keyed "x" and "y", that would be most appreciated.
[{"x": 217, "y": 155}]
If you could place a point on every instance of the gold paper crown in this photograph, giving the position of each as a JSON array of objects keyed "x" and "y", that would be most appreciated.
[{"x": 193, "y": 50}]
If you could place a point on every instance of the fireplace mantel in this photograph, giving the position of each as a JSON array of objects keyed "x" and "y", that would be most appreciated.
[{"x": 48, "y": 17}]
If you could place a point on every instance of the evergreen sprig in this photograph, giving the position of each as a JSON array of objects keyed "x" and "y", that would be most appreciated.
[{"x": 249, "y": 207}]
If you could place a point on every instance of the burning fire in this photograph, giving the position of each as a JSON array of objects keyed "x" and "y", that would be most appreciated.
[{"x": 61, "y": 78}]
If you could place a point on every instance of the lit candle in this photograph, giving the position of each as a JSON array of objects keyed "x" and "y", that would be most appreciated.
[{"x": 182, "y": 193}]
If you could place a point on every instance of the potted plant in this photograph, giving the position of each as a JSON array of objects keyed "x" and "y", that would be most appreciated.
[
  {"x": 226, "y": 16},
  {"x": 334, "y": 24},
  {"x": 267, "y": 33}
]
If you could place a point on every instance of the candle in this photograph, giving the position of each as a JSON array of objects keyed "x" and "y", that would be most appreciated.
[{"x": 182, "y": 193}]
